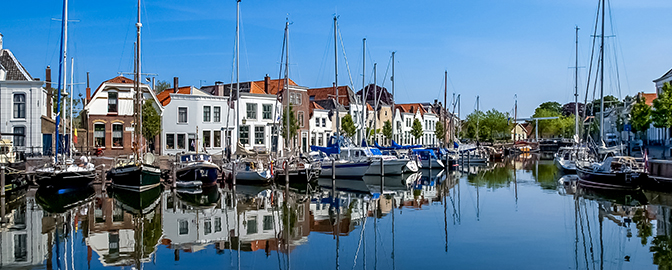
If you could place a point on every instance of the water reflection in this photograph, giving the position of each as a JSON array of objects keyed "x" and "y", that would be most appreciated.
[{"x": 441, "y": 215}]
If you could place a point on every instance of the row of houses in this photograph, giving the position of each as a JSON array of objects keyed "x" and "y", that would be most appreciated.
[{"x": 204, "y": 118}]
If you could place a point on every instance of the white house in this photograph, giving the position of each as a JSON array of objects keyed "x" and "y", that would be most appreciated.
[
  {"x": 22, "y": 104},
  {"x": 321, "y": 126}
]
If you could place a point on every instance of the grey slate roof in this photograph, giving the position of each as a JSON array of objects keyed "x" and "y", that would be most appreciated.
[{"x": 15, "y": 71}]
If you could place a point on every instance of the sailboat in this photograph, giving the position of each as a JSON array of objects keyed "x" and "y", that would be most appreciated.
[
  {"x": 136, "y": 173},
  {"x": 566, "y": 157},
  {"x": 63, "y": 173},
  {"x": 615, "y": 172}
]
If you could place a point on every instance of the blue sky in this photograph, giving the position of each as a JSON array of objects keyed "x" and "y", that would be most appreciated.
[{"x": 491, "y": 48}]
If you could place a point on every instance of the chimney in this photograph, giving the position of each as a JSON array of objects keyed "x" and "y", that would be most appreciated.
[
  {"x": 88, "y": 89},
  {"x": 267, "y": 82},
  {"x": 0, "y": 41},
  {"x": 175, "y": 85},
  {"x": 49, "y": 91},
  {"x": 411, "y": 108}
]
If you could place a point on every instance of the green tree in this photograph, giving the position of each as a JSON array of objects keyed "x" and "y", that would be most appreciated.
[
  {"x": 641, "y": 116},
  {"x": 609, "y": 102},
  {"x": 416, "y": 130},
  {"x": 550, "y": 106},
  {"x": 151, "y": 121},
  {"x": 387, "y": 130},
  {"x": 495, "y": 124},
  {"x": 348, "y": 126},
  {"x": 161, "y": 86},
  {"x": 440, "y": 132},
  {"x": 662, "y": 108},
  {"x": 293, "y": 125},
  {"x": 472, "y": 124}
]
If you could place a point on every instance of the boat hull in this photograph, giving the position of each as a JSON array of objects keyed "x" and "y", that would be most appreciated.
[
  {"x": 64, "y": 179},
  {"x": 435, "y": 163},
  {"x": 392, "y": 167},
  {"x": 134, "y": 177},
  {"x": 346, "y": 170},
  {"x": 206, "y": 174},
  {"x": 566, "y": 166},
  {"x": 590, "y": 178}
]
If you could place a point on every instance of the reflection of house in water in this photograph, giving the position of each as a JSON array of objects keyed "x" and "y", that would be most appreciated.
[
  {"x": 113, "y": 232},
  {"x": 22, "y": 242},
  {"x": 353, "y": 210},
  {"x": 191, "y": 228}
]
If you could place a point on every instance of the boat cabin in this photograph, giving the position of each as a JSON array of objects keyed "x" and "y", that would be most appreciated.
[
  {"x": 7, "y": 154},
  {"x": 193, "y": 157},
  {"x": 425, "y": 154}
]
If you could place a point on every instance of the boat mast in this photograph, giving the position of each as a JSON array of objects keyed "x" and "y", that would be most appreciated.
[
  {"x": 576, "y": 85},
  {"x": 602, "y": 78},
  {"x": 444, "y": 108},
  {"x": 238, "y": 71},
  {"x": 364, "y": 96},
  {"x": 72, "y": 93},
  {"x": 338, "y": 118},
  {"x": 478, "y": 116},
  {"x": 393, "y": 110},
  {"x": 138, "y": 92},
  {"x": 61, "y": 74},
  {"x": 287, "y": 95},
  {"x": 375, "y": 100}
]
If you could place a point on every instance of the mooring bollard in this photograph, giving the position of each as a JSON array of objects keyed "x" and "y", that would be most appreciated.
[
  {"x": 174, "y": 174},
  {"x": 2, "y": 183},
  {"x": 382, "y": 176}
]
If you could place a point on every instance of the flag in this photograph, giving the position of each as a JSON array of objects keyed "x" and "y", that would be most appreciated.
[{"x": 75, "y": 138}]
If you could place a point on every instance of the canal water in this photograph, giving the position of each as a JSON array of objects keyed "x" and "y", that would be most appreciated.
[{"x": 518, "y": 214}]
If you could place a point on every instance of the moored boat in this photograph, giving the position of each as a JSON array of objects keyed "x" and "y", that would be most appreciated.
[
  {"x": 617, "y": 172},
  {"x": 196, "y": 168}
]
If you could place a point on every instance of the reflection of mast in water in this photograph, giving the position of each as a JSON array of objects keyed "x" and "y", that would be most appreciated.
[{"x": 394, "y": 206}]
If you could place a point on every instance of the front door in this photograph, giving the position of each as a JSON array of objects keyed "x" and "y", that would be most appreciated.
[
  {"x": 192, "y": 142},
  {"x": 46, "y": 144}
]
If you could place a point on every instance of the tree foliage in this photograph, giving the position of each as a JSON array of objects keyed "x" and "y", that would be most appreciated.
[
  {"x": 439, "y": 131},
  {"x": 293, "y": 125},
  {"x": 662, "y": 108},
  {"x": 550, "y": 106},
  {"x": 348, "y": 126},
  {"x": 416, "y": 130},
  {"x": 609, "y": 102},
  {"x": 387, "y": 130},
  {"x": 563, "y": 126},
  {"x": 491, "y": 125},
  {"x": 161, "y": 86},
  {"x": 151, "y": 121},
  {"x": 568, "y": 109},
  {"x": 641, "y": 115}
]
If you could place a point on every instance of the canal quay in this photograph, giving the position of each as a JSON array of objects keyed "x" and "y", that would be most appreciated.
[{"x": 515, "y": 214}]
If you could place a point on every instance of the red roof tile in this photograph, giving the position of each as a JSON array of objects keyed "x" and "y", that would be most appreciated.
[
  {"x": 330, "y": 93},
  {"x": 257, "y": 87},
  {"x": 649, "y": 97},
  {"x": 164, "y": 97},
  {"x": 411, "y": 108},
  {"x": 119, "y": 79}
]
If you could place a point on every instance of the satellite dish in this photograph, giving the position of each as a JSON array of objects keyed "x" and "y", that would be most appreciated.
[{"x": 149, "y": 158}]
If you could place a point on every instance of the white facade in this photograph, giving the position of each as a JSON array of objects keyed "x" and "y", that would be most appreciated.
[
  {"x": 22, "y": 105},
  {"x": 197, "y": 119},
  {"x": 256, "y": 121},
  {"x": 429, "y": 126},
  {"x": 22, "y": 244},
  {"x": 321, "y": 127},
  {"x": 125, "y": 98}
]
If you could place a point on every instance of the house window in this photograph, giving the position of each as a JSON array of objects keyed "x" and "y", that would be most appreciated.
[
  {"x": 20, "y": 247},
  {"x": 320, "y": 139},
  {"x": 245, "y": 134},
  {"x": 317, "y": 122},
  {"x": 182, "y": 114},
  {"x": 324, "y": 122},
  {"x": 181, "y": 141},
  {"x": 217, "y": 136},
  {"x": 259, "y": 134},
  {"x": 252, "y": 225},
  {"x": 251, "y": 111},
  {"x": 268, "y": 223},
  {"x": 20, "y": 136},
  {"x": 295, "y": 98},
  {"x": 312, "y": 140},
  {"x": 112, "y": 102},
  {"x": 183, "y": 227},
  {"x": 20, "y": 106},
  {"x": 170, "y": 141},
  {"x": 206, "y": 138},
  {"x": 218, "y": 224},
  {"x": 207, "y": 226},
  {"x": 217, "y": 114},
  {"x": 206, "y": 113},
  {"x": 117, "y": 135},
  {"x": 300, "y": 118},
  {"x": 99, "y": 135},
  {"x": 267, "y": 113}
]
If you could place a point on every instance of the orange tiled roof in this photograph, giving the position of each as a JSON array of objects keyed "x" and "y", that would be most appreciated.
[
  {"x": 257, "y": 87},
  {"x": 329, "y": 93},
  {"x": 411, "y": 108},
  {"x": 649, "y": 97},
  {"x": 368, "y": 107},
  {"x": 164, "y": 97},
  {"x": 314, "y": 106}
]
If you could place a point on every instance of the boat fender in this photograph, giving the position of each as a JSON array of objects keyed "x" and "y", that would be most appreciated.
[{"x": 284, "y": 165}]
